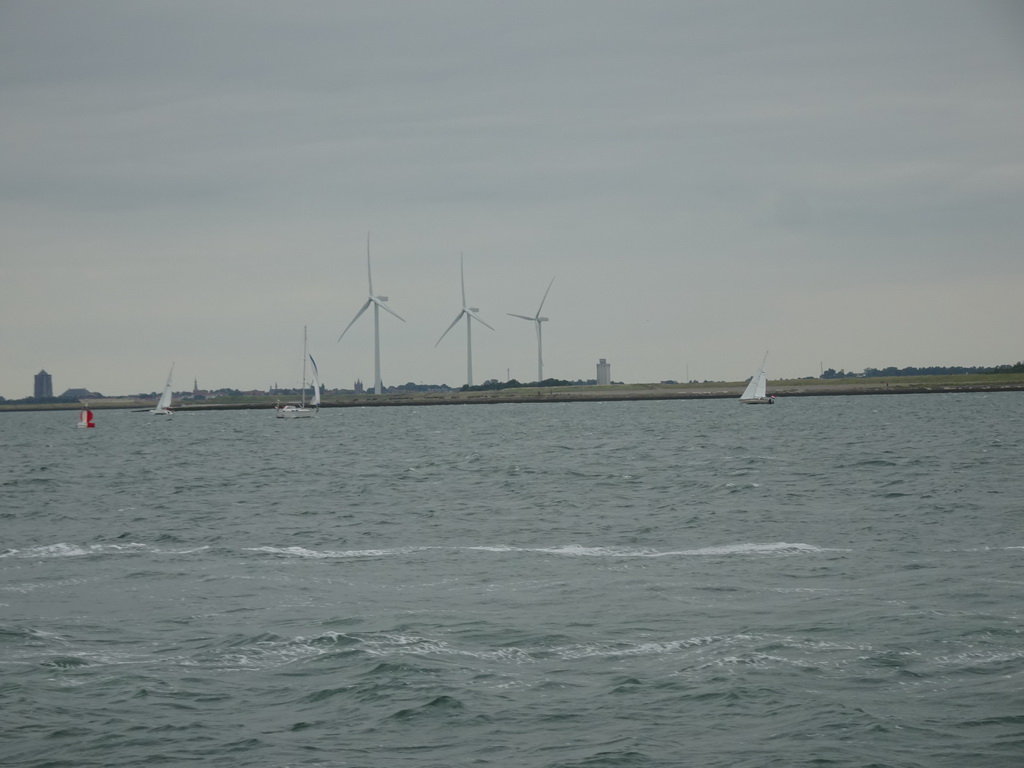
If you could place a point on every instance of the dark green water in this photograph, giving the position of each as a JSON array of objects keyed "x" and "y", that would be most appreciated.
[{"x": 824, "y": 582}]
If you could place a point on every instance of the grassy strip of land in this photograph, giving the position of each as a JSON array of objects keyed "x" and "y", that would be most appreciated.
[{"x": 1010, "y": 382}]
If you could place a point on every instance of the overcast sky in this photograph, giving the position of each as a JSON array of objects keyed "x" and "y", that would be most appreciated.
[{"x": 838, "y": 183}]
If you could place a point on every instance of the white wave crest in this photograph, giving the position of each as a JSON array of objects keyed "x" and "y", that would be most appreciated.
[
  {"x": 63, "y": 549},
  {"x": 332, "y": 554},
  {"x": 576, "y": 550}
]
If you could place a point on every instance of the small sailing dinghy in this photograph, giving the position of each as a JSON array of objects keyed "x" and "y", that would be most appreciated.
[
  {"x": 163, "y": 408},
  {"x": 85, "y": 418},
  {"x": 301, "y": 410},
  {"x": 755, "y": 393}
]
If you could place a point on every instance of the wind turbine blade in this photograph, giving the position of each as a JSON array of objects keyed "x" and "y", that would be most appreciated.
[
  {"x": 454, "y": 323},
  {"x": 462, "y": 274},
  {"x": 524, "y": 317},
  {"x": 545, "y": 297},
  {"x": 477, "y": 317},
  {"x": 385, "y": 307},
  {"x": 369, "y": 274},
  {"x": 363, "y": 309}
]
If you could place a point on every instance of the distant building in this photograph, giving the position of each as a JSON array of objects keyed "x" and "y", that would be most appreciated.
[
  {"x": 358, "y": 386},
  {"x": 197, "y": 393},
  {"x": 604, "y": 372},
  {"x": 79, "y": 393},
  {"x": 43, "y": 385}
]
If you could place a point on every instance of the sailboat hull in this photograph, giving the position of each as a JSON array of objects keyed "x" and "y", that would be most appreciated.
[
  {"x": 296, "y": 412},
  {"x": 757, "y": 400}
]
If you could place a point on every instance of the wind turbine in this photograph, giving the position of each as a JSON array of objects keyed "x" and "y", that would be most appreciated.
[
  {"x": 537, "y": 319},
  {"x": 470, "y": 313},
  {"x": 379, "y": 303}
]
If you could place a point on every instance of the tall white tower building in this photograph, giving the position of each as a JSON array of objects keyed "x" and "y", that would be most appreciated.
[{"x": 604, "y": 372}]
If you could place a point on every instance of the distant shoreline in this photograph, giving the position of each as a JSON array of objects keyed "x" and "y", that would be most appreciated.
[{"x": 584, "y": 394}]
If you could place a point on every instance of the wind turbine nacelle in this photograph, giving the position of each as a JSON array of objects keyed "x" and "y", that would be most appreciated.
[
  {"x": 474, "y": 309},
  {"x": 542, "y": 319},
  {"x": 382, "y": 298}
]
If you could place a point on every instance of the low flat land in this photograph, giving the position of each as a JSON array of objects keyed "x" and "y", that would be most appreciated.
[{"x": 898, "y": 385}]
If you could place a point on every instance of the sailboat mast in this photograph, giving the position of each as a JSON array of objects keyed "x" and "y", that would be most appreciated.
[{"x": 303, "y": 366}]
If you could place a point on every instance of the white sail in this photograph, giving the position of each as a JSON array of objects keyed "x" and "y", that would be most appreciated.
[
  {"x": 757, "y": 388},
  {"x": 163, "y": 407},
  {"x": 315, "y": 402}
]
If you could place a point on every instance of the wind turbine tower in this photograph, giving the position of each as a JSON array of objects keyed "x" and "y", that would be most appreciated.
[
  {"x": 379, "y": 303},
  {"x": 537, "y": 320},
  {"x": 470, "y": 313}
]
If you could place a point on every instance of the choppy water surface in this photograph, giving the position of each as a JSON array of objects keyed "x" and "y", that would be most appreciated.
[{"x": 826, "y": 581}]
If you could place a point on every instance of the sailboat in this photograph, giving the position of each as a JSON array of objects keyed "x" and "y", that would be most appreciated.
[
  {"x": 85, "y": 418},
  {"x": 754, "y": 394},
  {"x": 163, "y": 408},
  {"x": 302, "y": 410}
]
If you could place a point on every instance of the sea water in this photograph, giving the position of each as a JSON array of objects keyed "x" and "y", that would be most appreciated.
[{"x": 825, "y": 581}]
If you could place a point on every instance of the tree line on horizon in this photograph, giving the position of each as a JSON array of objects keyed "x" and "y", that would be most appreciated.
[{"x": 933, "y": 370}]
